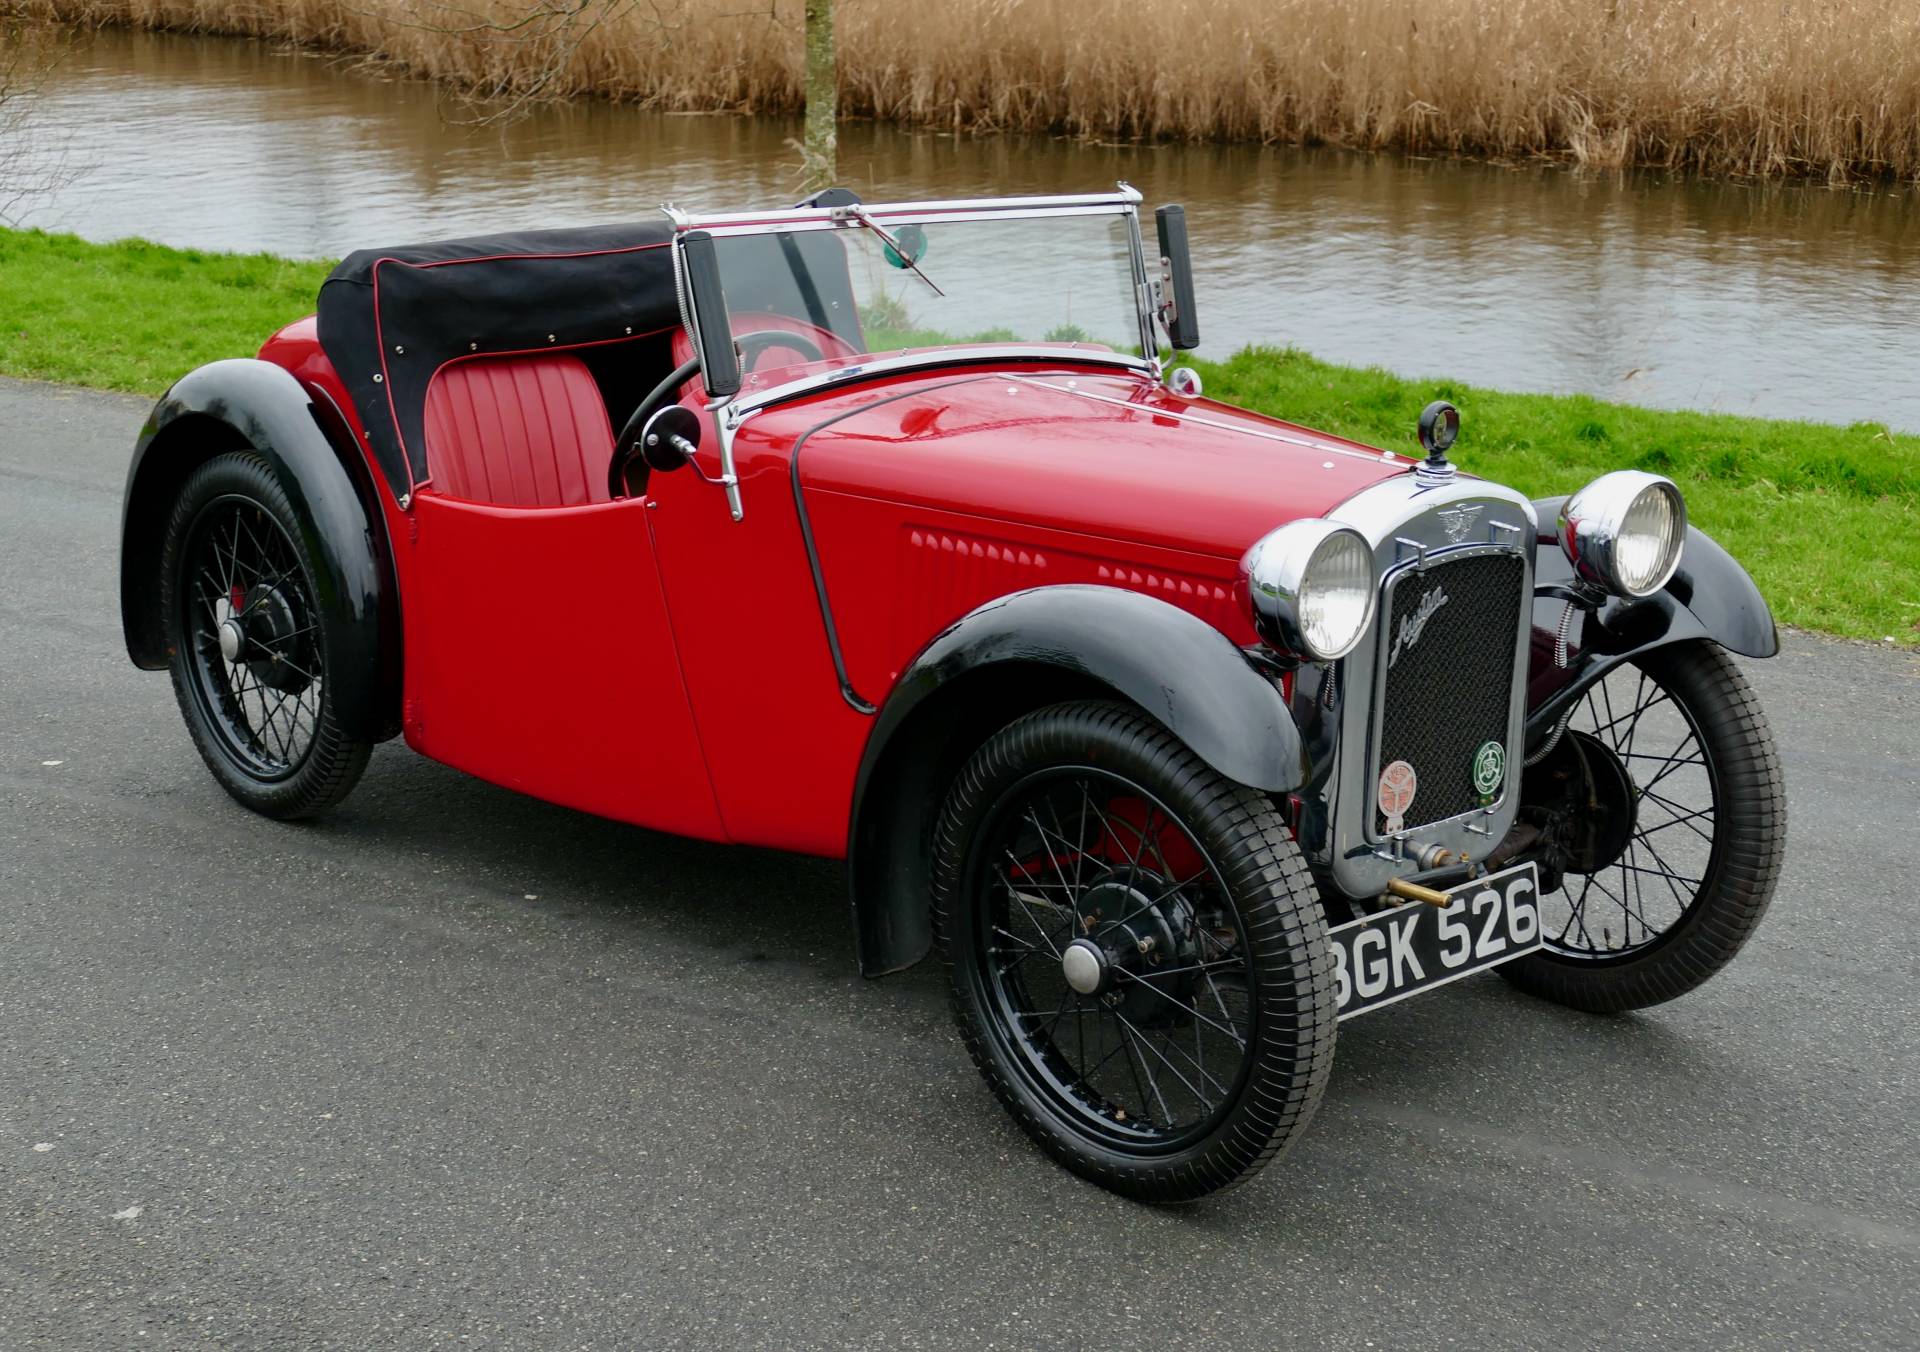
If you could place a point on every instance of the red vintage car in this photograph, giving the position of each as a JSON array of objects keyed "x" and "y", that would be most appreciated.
[{"x": 882, "y": 533}]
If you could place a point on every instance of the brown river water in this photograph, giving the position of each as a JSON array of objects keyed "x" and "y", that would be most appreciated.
[{"x": 1772, "y": 299}]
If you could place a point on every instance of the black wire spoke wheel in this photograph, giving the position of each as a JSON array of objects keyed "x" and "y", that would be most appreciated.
[
  {"x": 250, "y": 627},
  {"x": 1121, "y": 979},
  {"x": 249, "y": 651},
  {"x": 1662, "y": 813},
  {"x": 1645, "y": 823},
  {"x": 1138, "y": 957}
]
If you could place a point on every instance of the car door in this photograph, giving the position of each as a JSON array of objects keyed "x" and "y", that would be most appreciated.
[{"x": 539, "y": 656}]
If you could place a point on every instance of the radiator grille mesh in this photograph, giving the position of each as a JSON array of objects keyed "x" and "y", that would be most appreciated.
[{"x": 1449, "y": 638}]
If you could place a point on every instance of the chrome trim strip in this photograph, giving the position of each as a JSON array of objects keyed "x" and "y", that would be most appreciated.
[
  {"x": 1124, "y": 197},
  {"x": 849, "y": 219},
  {"x": 1142, "y": 289}
]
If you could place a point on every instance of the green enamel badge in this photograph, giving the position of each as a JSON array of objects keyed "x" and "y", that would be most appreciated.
[{"x": 1489, "y": 769}]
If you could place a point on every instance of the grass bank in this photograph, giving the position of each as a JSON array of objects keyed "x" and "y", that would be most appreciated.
[
  {"x": 1826, "y": 518},
  {"x": 1755, "y": 87}
]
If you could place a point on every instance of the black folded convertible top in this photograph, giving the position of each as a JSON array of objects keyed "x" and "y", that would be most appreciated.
[{"x": 390, "y": 318}]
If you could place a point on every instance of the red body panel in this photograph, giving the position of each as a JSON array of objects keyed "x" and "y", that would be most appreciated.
[
  {"x": 1114, "y": 457},
  {"x": 782, "y": 745},
  {"x": 539, "y": 657},
  {"x": 937, "y": 501},
  {"x": 655, "y": 661}
]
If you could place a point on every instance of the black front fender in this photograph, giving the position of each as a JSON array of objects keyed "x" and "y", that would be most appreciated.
[
  {"x": 245, "y": 404},
  {"x": 1710, "y": 597},
  {"x": 1010, "y": 656}
]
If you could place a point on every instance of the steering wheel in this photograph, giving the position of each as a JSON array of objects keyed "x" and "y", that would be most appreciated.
[
  {"x": 751, "y": 345},
  {"x": 626, "y": 443}
]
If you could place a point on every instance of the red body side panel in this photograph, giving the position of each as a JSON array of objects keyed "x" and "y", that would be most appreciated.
[
  {"x": 929, "y": 505},
  {"x": 539, "y": 657},
  {"x": 897, "y": 579},
  {"x": 782, "y": 744},
  {"x": 502, "y": 611}
]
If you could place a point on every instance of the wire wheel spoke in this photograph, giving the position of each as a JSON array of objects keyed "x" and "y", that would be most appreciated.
[
  {"x": 1646, "y": 771},
  {"x": 253, "y": 637},
  {"x": 1082, "y": 865}
]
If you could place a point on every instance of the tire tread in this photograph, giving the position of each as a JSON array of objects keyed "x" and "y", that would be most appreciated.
[{"x": 1283, "y": 923}]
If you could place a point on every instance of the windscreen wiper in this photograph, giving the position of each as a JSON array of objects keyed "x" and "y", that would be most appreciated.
[{"x": 859, "y": 214}]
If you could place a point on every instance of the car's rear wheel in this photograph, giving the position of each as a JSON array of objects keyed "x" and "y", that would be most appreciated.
[
  {"x": 1139, "y": 964},
  {"x": 1663, "y": 815},
  {"x": 249, "y": 653}
]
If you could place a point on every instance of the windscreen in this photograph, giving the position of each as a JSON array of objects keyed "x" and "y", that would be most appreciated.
[{"x": 801, "y": 296}]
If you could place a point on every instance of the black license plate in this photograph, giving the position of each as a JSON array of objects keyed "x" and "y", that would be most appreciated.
[{"x": 1415, "y": 947}]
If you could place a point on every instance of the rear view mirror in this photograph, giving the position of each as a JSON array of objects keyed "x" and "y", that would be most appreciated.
[
  {"x": 712, "y": 335},
  {"x": 1177, "y": 313},
  {"x": 670, "y": 438}
]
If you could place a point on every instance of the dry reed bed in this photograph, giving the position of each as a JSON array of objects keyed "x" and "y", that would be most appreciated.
[{"x": 1763, "y": 87}]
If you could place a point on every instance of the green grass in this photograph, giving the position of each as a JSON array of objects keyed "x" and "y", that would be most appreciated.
[
  {"x": 135, "y": 316},
  {"x": 1826, "y": 518}
]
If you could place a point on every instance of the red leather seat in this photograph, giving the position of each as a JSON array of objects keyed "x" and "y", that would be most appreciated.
[{"x": 519, "y": 431}]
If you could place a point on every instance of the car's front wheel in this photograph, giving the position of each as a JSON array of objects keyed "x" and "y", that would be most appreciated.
[
  {"x": 1139, "y": 963},
  {"x": 1663, "y": 817},
  {"x": 249, "y": 655}
]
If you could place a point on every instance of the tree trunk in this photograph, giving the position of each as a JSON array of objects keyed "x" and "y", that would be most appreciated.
[{"x": 819, "y": 151}]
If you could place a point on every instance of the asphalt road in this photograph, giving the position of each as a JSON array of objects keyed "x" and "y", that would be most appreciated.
[{"x": 455, "y": 1066}]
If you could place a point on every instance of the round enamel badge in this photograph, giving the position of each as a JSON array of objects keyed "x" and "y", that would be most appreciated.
[
  {"x": 1489, "y": 769},
  {"x": 1398, "y": 783}
]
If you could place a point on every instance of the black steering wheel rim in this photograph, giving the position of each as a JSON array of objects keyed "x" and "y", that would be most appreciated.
[
  {"x": 751, "y": 345},
  {"x": 628, "y": 441}
]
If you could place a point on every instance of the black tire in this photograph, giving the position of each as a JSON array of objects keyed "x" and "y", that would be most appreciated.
[
  {"x": 1695, "y": 876},
  {"x": 1239, "y": 956},
  {"x": 264, "y": 722}
]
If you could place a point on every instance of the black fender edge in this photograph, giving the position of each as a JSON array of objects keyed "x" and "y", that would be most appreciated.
[
  {"x": 1710, "y": 597},
  {"x": 1011, "y": 656},
  {"x": 248, "y": 404}
]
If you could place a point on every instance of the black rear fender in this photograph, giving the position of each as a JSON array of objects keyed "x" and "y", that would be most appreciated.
[
  {"x": 1710, "y": 597},
  {"x": 1012, "y": 656},
  {"x": 245, "y": 404}
]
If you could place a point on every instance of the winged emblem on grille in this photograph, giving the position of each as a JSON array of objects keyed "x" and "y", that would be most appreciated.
[{"x": 1457, "y": 521}]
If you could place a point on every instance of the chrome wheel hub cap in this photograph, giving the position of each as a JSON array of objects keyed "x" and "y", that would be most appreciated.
[
  {"x": 233, "y": 640},
  {"x": 1084, "y": 966}
]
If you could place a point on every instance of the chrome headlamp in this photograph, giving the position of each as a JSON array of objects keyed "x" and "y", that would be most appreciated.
[
  {"x": 1310, "y": 587},
  {"x": 1624, "y": 531}
]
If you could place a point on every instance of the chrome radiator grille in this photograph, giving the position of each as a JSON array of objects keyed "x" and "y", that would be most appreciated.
[{"x": 1447, "y": 685}]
